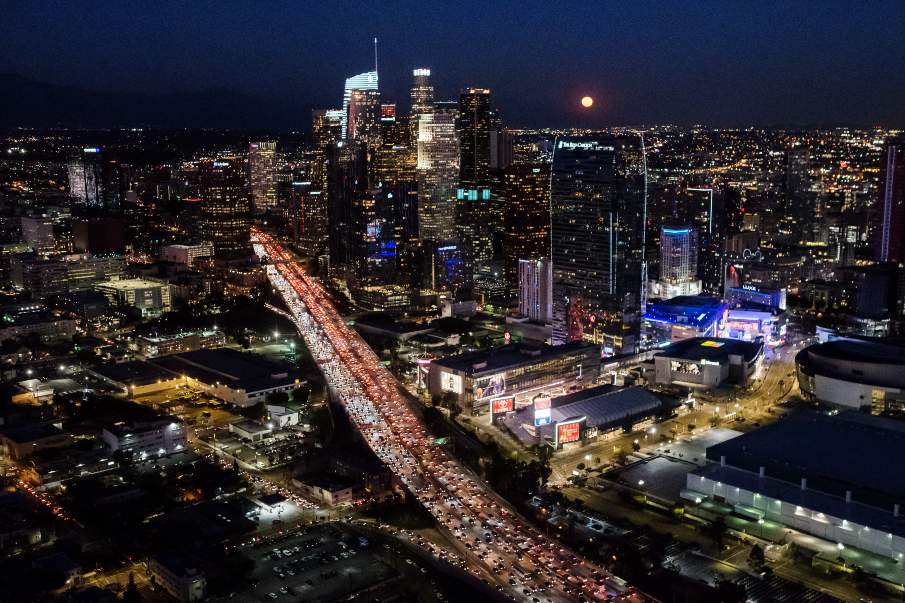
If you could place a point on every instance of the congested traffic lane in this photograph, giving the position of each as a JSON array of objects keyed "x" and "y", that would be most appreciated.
[{"x": 490, "y": 538}]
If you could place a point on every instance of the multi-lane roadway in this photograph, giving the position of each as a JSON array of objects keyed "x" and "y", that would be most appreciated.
[{"x": 485, "y": 535}]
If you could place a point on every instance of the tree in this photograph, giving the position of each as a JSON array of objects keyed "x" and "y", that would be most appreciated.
[
  {"x": 756, "y": 558},
  {"x": 255, "y": 411},
  {"x": 131, "y": 595},
  {"x": 716, "y": 531},
  {"x": 730, "y": 592},
  {"x": 278, "y": 398},
  {"x": 270, "y": 459},
  {"x": 621, "y": 456},
  {"x": 123, "y": 459},
  {"x": 636, "y": 446},
  {"x": 580, "y": 466},
  {"x": 597, "y": 461},
  {"x": 235, "y": 467}
]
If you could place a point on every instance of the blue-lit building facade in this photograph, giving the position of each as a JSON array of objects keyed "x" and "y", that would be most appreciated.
[
  {"x": 681, "y": 318},
  {"x": 775, "y": 298}
]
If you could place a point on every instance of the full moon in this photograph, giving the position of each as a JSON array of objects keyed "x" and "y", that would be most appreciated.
[{"x": 587, "y": 101}]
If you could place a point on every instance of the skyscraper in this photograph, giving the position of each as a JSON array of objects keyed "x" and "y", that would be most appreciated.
[
  {"x": 363, "y": 81},
  {"x": 805, "y": 199},
  {"x": 526, "y": 215},
  {"x": 95, "y": 178},
  {"x": 262, "y": 167},
  {"x": 474, "y": 142},
  {"x": 678, "y": 264},
  {"x": 347, "y": 186},
  {"x": 422, "y": 93},
  {"x": 438, "y": 176},
  {"x": 86, "y": 182},
  {"x": 598, "y": 207},
  {"x": 364, "y": 117},
  {"x": 326, "y": 128},
  {"x": 535, "y": 289},
  {"x": 890, "y": 244},
  {"x": 474, "y": 215},
  {"x": 225, "y": 206}
]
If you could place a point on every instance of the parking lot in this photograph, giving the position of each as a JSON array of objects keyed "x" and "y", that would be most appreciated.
[{"x": 322, "y": 565}]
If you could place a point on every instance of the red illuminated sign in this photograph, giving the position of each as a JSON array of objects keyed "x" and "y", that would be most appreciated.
[
  {"x": 501, "y": 405},
  {"x": 569, "y": 432},
  {"x": 541, "y": 402}
]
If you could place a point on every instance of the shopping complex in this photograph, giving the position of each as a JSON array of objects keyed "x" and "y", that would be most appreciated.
[{"x": 518, "y": 370}]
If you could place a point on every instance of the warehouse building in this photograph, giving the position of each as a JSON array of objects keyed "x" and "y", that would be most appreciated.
[
  {"x": 239, "y": 378},
  {"x": 808, "y": 472}
]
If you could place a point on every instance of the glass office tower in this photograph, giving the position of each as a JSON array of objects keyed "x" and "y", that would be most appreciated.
[
  {"x": 363, "y": 81},
  {"x": 262, "y": 167},
  {"x": 225, "y": 206},
  {"x": 598, "y": 210},
  {"x": 438, "y": 176}
]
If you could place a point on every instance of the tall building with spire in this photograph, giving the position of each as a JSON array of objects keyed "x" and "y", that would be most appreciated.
[
  {"x": 362, "y": 81},
  {"x": 364, "y": 117}
]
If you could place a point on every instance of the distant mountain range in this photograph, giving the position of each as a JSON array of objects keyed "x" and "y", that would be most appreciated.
[{"x": 31, "y": 103}]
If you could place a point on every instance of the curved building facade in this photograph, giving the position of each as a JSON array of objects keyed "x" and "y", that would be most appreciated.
[{"x": 853, "y": 374}]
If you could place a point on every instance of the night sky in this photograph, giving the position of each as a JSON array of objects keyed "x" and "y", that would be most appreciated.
[{"x": 720, "y": 63}]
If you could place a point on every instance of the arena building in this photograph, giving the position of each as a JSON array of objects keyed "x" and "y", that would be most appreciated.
[
  {"x": 708, "y": 362},
  {"x": 851, "y": 373}
]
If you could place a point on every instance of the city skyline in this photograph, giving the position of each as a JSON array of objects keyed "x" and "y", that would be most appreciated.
[{"x": 703, "y": 64}]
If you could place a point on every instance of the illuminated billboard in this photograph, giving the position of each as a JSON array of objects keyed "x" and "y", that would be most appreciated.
[
  {"x": 541, "y": 410},
  {"x": 502, "y": 405},
  {"x": 496, "y": 386},
  {"x": 451, "y": 382},
  {"x": 568, "y": 432}
]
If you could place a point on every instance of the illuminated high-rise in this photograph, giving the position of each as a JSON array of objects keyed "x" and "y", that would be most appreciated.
[
  {"x": 438, "y": 176},
  {"x": 225, "y": 206},
  {"x": 262, "y": 167},
  {"x": 422, "y": 93},
  {"x": 678, "y": 264},
  {"x": 364, "y": 117},
  {"x": 363, "y": 81},
  {"x": 598, "y": 210},
  {"x": 474, "y": 138},
  {"x": 96, "y": 179},
  {"x": 890, "y": 242},
  {"x": 347, "y": 186},
  {"x": 526, "y": 215},
  {"x": 474, "y": 215},
  {"x": 326, "y": 126}
]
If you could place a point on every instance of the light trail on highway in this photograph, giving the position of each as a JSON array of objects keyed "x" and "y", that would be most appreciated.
[{"x": 487, "y": 532}]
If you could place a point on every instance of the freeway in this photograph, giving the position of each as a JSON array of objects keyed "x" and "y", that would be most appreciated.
[{"x": 486, "y": 536}]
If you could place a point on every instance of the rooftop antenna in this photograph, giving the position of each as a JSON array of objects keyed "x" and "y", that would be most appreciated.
[{"x": 375, "y": 55}]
